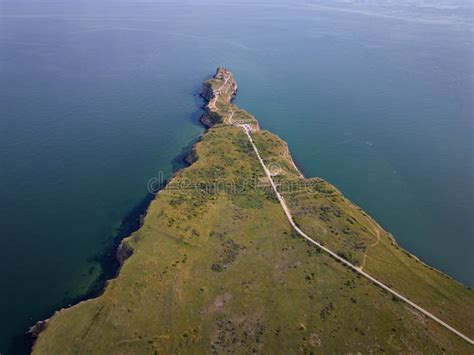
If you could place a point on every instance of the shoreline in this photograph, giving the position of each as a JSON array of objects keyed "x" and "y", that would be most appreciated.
[
  {"x": 109, "y": 260},
  {"x": 210, "y": 95},
  {"x": 123, "y": 252},
  {"x": 118, "y": 252}
]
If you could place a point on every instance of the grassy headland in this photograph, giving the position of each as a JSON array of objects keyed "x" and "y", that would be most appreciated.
[{"x": 217, "y": 267}]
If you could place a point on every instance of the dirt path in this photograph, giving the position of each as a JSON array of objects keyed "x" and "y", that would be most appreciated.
[
  {"x": 212, "y": 103},
  {"x": 377, "y": 234}
]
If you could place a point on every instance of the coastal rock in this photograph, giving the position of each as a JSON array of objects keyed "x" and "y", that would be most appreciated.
[
  {"x": 191, "y": 157},
  {"x": 210, "y": 118},
  {"x": 219, "y": 93},
  {"x": 124, "y": 251},
  {"x": 35, "y": 330},
  {"x": 207, "y": 90}
]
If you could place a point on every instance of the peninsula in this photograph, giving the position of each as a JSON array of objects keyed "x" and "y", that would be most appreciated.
[{"x": 241, "y": 253}]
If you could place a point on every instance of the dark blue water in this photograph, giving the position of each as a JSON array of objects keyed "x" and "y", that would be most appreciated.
[{"x": 97, "y": 97}]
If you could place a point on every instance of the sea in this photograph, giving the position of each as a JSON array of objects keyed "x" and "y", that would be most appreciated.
[{"x": 97, "y": 97}]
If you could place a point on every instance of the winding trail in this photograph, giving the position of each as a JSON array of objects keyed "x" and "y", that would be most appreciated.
[
  {"x": 359, "y": 270},
  {"x": 377, "y": 234},
  {"x": 212, "y": 104},
  {"x": 217, "y": 93}
]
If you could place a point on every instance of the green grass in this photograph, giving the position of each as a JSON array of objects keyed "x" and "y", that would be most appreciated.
[
  {"x": 327, "y": 216},
  {"x": 222, "y": 271},
  {"x": 216, "y": 268}
]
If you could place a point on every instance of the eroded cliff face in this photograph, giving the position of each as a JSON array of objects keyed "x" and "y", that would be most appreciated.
[
  {"x": 35, "y": 330},
  {"x": 219, "y": 93},
  {"x": 191, "y": 157},
  {"x": 207, "y": 91},
  {"x": 124, "y": 251}
]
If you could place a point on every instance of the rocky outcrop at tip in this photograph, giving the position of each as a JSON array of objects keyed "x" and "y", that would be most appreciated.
[{"x": 219, "y": 91}]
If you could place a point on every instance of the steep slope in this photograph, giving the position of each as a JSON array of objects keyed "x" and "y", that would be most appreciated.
[{"x": 217, "y": 267}]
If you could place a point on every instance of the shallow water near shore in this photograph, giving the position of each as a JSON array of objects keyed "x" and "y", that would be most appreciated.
[{"x": 98, "y": 97}]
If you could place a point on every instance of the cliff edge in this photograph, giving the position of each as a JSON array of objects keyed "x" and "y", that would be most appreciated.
[{"x": 219, "y": 93}]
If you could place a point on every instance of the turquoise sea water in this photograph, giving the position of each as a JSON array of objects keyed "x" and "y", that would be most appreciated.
[{"x": 97, "y": 97}]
